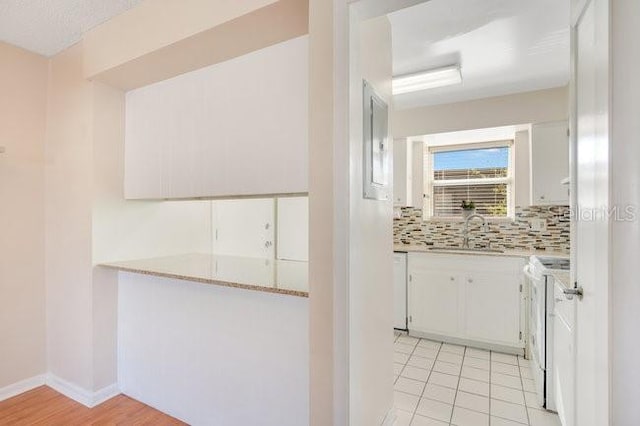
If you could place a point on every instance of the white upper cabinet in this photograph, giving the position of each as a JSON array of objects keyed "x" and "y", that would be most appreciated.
[
  {"x": 235, "y": 128},
  {"x": 401, "y": 173},
  {"x": 549, "y": 163},
  {"x": 408, "y": 157}
]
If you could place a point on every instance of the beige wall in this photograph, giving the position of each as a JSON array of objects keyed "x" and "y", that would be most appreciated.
[
  {"x": 155, "y": 24},
  {"x": 530, "y": 107},
  {"x": 23, "y": 89},
  {"x": 68, "y": 177},
  {"x": 371, "y": 241},
  {"x": 161, "y": 39},
  {"x": 88, "y": 222}
]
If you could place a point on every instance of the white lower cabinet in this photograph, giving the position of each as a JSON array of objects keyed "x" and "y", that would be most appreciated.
[
  {"x": 434, "y": 301},
  {"x": 474, "y": 298}
]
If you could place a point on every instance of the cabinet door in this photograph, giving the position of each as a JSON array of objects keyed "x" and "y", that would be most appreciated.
[
  {"x": 549, "y": 163},
  {"x": 434, "y": 300},
  {"x": 222, "y": 130},
  {"x": 492, "y": 307},
  {"x": 400, "y": 172},
  {"x": 244, "y": 228}
]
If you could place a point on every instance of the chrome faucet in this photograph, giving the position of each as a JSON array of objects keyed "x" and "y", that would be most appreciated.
[{"x": 465, "y": 239}]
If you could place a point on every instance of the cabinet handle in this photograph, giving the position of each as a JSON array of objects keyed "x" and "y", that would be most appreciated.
[
  {"x": 452, "y": 278},
  {"x": 470, "y": 280}
]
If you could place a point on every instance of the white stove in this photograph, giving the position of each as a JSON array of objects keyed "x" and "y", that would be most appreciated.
[{"x": 541, "y": 305}]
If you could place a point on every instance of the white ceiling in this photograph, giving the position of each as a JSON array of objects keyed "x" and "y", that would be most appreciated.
[
  {"x": 49, "y": 26},
  {"x": 503, "y": 46}
]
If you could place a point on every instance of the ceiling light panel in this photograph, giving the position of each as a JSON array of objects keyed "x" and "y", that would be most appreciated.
[{"x": 439, "y": 77}]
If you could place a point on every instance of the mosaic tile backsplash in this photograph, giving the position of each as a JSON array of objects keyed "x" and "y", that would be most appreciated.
[{"x": 507, "y": 235}]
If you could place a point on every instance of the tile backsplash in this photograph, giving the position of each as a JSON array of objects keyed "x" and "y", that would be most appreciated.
[{"x": 516, "y": 234}]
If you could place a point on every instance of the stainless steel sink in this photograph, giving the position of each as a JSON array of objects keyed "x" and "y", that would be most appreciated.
[{"x": 473, "y": 250}]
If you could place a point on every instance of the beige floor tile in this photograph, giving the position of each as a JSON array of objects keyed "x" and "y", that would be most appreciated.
[
  {"x": 463, "y": 417},
  {"x": 445, "y": 380},
  {"x": 419, "y": 420},
  {"x": 509, "y": 411},
  {"x": 413, "y": 387},
  {"x": 434, "y": 409},
  {"x": 504, "y": 393},
  {"x": 506, "y": 380},
  {"x": 447, "y": 368},
  {"x": 404, "y": 401},
  {"x": 472, "y": 402},
  {"x": 475, "y": 373},
  {"x": 415, "y": 373},
  {"x": 473, "y": 386},
  {"x": 439, "y": 393}
]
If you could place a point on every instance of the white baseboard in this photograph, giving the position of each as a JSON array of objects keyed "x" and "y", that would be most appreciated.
[
  {"x": 105, "y": 394},
  {"x": 78, "y": 394},
  {"x": 390, "y": 418},
  {"x": 22, "y": 386}
]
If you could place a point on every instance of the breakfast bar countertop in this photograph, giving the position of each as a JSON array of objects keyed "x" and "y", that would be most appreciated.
[
  {"x": 286, "y": 277},
  {"x": 422, "y": 248}
]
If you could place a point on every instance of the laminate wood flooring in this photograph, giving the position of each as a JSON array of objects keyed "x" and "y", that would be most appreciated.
[{"x": 44, "y": 406}]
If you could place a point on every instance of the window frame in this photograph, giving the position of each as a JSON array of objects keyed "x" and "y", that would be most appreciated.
[{"x": 430, "y": 182}]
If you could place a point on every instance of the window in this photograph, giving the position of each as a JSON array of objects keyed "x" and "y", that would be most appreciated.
[{"x": 480, "y": 172}]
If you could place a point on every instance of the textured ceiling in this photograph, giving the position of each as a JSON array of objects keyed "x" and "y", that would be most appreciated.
[
  {"x": 503, "y": 46},
  {"x": 49, "y": 26}
]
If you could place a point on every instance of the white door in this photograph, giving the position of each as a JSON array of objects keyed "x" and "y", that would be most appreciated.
[
  {"x": 564, "y": 355},
  {"x": 590, "y": 245},
  {"x": 434, "y": 301},
  {"x": 492, "y": 311}
]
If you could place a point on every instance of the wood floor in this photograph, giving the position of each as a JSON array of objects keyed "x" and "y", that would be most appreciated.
[{"x": 44, "y": 406}]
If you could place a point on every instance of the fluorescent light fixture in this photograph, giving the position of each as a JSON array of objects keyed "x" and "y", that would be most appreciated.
[{"x": 438, "y": 77}]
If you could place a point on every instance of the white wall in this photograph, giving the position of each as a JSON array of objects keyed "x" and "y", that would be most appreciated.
[
  {"x": 371, "y": 239},
  {"x": 625, "y": 238},
  {"x": 213, "y": 355},
  {"x": 530, "y": 107},
  {"x": 23, "y": 89}
]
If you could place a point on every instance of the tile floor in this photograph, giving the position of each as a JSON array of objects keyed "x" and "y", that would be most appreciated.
[{"x": 443, "y": 384}]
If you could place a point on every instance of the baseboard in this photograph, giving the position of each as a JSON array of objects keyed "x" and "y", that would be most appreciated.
[
  {"x": 105, "y": 394},
  {"x": 78, "y": 394},
  {"x": 390, "y": 418},
  {"x": 22, "y": 386},
  {"x": 468, "y": 342}
]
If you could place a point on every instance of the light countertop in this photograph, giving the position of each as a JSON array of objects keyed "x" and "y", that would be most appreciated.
[
  {"x": 268, "y": 275},
  {"x": 419, "y": 248}
]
